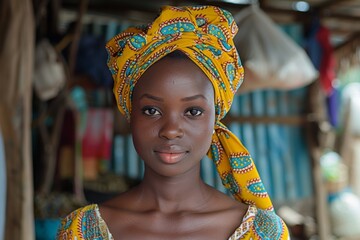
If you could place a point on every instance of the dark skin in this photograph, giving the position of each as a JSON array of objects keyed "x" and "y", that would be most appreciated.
[{"x": 172, "y": 123}]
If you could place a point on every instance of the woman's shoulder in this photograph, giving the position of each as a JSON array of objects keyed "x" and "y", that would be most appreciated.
[
  {"x": 84, "y": 223},
  {"x": 261, "y": 224}
]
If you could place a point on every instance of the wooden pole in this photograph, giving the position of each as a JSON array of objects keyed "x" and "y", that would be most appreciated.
[
  {"x": 17, "y": 40},
  {"x": 315, "y": 149}
]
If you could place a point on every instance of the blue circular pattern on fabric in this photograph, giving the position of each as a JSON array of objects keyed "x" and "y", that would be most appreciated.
[
  {"x": 200, "y": 22},
  {"x": 177, "y": 27},
  {"x": 257, "y": 188},
  {"x": 215, "y": 151},
  {"x": 230, "y": 72},
  {"x": 230, "y": 183},
  {"x": 206, "y": 62},
  {"x": 137, "y": 41},
  {"x": 240, "y": 162},
  {"x": 130, "y": 68},
  {"x": 228, "y": 16},
  {"x": 90, "y": 226},
  {"x": 217, "y": 32},
  {"x": 268, "y": 225},
  {"x": 155, "y": 45}
]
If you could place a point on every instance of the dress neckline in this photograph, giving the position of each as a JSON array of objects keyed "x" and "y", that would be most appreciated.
[{"x": 243, "y": 228}]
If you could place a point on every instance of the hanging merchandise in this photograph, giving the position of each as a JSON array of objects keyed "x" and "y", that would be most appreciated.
[
  {"x": 327, "y": 64},
  {"x": 344, "y": 205},
  {"x": 327, "y": 74},
  {"x": 321, "y": 53},
  {"x": 350, "y": 99},
  {"x": 91, "y": 60},
  {"x": 49, "y": 75},
  {"x": 344, "y": 214},
  {"x": 271, "y": 58},
  {"x": 97, "y": 142}
]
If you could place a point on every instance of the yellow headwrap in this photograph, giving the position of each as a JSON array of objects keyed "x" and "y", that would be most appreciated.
[{"x": 205, "y": 34}]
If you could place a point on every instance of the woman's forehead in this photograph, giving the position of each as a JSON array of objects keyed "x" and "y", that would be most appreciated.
[
  {"x": 168, "y": 68},
  {"x": 174, "y": 74}
]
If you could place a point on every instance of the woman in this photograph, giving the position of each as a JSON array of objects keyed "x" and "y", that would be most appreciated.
[{"x": 174, "y": 81}]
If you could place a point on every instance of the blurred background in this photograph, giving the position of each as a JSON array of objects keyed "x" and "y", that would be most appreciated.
[{"x": 64, "y": 144}]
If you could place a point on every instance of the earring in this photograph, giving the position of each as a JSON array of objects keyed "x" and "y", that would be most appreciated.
[{"x": 213, "y": 131}]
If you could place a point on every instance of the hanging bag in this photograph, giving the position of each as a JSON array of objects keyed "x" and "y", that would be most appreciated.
[
  {"x": 49, "y": 75},
  {"x": 271, "y": 59}
]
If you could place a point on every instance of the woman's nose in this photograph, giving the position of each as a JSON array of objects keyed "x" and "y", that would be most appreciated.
[{"x": 171, "y": 128}]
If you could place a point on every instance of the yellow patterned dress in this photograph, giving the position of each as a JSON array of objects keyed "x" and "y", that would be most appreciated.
[{"x": 87, "y": 224}]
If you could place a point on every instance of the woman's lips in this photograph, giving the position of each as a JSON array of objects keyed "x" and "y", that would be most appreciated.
[{"x": 171, "y": 158}]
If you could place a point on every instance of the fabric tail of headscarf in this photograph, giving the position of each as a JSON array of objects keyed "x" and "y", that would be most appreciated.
[{"x": 237, "y": 169}]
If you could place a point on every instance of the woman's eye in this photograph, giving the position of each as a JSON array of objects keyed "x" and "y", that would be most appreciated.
[
  {"x": 194, "y": 112},
  {"x": 151, "y": 111}
]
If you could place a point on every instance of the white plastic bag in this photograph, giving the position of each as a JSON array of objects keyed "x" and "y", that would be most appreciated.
[
  {"x": 49, "y": 75},
  {"x": 344, "y": 213},
  {"x": 271, "y": 59},
  {"x": 351, "y": 103}
]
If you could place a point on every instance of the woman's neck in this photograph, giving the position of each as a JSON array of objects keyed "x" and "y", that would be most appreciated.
[{"x": 174, "y": 194}]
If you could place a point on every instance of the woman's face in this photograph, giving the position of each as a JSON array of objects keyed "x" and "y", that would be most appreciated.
[{"x": 173, "y": 116}]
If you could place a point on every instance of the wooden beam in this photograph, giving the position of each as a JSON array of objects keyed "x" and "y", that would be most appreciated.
[
  {"x": 286, "y": 120},
  {"x": 353, "y": 39},
  {"x": 330, "y": 13},
  {"x": 331, "y": 4},
  {"x": 341, "y": 25}
]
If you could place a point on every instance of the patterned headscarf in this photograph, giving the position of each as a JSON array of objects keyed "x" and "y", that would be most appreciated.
[{"x": 205, "y": 34}]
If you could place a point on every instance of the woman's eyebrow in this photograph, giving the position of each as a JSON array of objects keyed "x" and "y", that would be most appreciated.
[
  {"x": 146, "y": 95},
  {"x": 194, "y": 97},
  {"x": 159, "y": 99}
]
